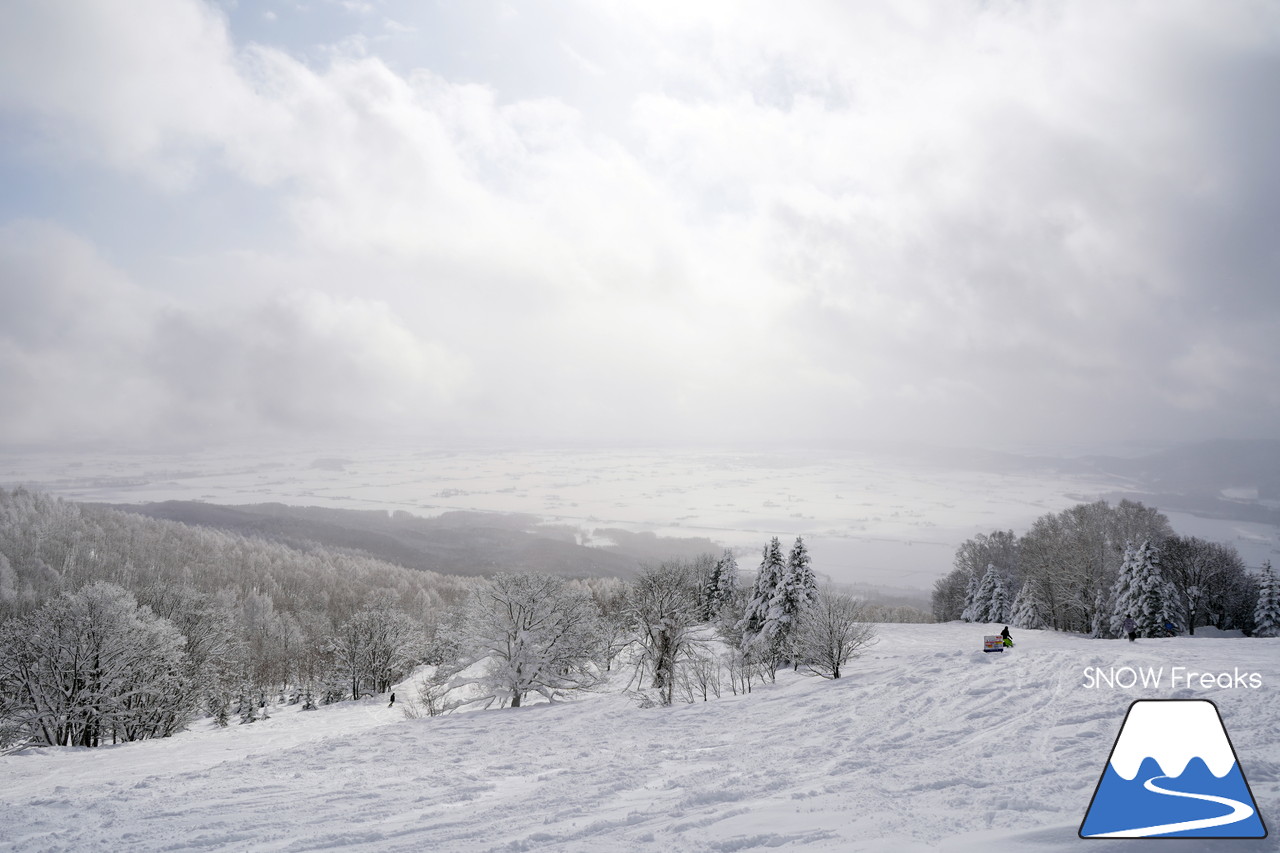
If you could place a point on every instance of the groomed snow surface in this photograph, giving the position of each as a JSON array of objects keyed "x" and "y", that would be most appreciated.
[{"x": 927, "y": 744}]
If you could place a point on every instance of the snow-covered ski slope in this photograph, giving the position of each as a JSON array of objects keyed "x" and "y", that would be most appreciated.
[{"x": 927, "y": 745}]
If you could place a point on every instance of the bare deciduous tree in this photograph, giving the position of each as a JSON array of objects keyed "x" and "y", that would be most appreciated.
[
  {"x": 833, "y": 632},
  {"x": 1202, "y": 574}
]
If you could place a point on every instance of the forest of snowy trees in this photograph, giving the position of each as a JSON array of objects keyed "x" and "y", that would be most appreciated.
[
  {"x": 1091, "y": 566},
  {"x": 116, "y": 627},
  {"x": 687, "y": 629}
]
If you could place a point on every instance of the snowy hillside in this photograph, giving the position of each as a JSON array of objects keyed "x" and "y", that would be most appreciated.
[{"x": 926, "y": 745}]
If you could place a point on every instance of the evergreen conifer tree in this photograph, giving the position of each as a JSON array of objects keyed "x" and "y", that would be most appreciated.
[
  {"x": 1000, "y": 604},
  {"x": 248, "y": 713},
  {"x": 1125, "y": 591},
  {"x": 709, "y": 594},
  {"x": 720, "y": 587},
  {"x": 756, "y": 625},
  {"x": 796, "y": 590},
  {"x": 220, "y": 709},
  {"x": 1101, "y": 621},
  {"x": 801, "y": 574},
  {"x": 1266, "y": 616},
  {"x": 1027, "y": 607},
  {"x": 1155, "y": 604},
  {"x": 982, "y": 598},
  {"x": 728, "y": 579},
  {"x": 970, "y": 600}
]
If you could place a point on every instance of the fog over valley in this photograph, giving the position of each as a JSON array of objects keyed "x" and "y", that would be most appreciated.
[{"x": 886, "y": 516}]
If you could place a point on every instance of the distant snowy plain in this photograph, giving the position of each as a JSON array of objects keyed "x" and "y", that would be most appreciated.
[
  {"x": 926, "y": 745},
  {"x": 870, "y": 518}
]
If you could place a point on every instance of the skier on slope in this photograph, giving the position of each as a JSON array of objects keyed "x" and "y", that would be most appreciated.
[
  {"x": 1131, "y": 628},
  {"x": 1007, "y": 637}
]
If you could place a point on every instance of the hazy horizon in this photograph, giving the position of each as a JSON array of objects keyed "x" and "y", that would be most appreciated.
[{"x": 869, "y": 517}]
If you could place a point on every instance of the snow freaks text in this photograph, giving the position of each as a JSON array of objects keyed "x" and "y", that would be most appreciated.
[{"x": 1129, "y": 677}]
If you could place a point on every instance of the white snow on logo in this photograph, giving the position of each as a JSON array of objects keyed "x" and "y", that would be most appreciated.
[{"x": 1172, "y": 733}]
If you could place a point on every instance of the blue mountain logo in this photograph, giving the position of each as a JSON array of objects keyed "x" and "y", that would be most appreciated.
[{"x": 1173, "y": 773}]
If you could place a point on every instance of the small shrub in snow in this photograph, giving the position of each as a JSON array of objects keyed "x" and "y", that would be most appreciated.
[{"x": 834, "y": 632}]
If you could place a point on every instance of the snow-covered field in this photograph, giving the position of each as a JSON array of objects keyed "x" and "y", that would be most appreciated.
[{"x": 927, "y": 744}]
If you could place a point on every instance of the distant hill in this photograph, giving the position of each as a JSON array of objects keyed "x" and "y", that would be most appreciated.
[
  {"x": 1214, "y": 479},
  {"x": 457, "y": 543},
  {"x": 1205, "y": 467}
]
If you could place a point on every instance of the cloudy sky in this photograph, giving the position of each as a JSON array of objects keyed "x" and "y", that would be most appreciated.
[{"x": 715, "y": 223}]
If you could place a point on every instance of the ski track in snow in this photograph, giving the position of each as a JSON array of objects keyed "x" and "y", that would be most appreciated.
[
  {"x": 1239, "y": 811},
  {"x": 926, "y": 744}
]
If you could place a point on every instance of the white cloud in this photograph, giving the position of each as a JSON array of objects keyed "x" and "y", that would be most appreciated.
[
  {"x": 149, "y": 87},
  {"x": 86, "y": 355},
  {"x": 305, "y": 361},
  {"x": 71, "y": 338},
  {"x": 1005, "y": 219}
]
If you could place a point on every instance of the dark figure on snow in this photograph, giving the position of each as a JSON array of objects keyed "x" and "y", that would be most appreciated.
[
  {"x": 393, "y": 700},
  {"x": 1169, "y": 630},
  {"x": 1131, "y": 628},
  {"x": 1007, "y": 637}
]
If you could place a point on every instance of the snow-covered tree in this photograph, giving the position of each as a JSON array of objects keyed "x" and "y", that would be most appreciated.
[
  {"x": 952, "y": 593},
  {"x": 349, "y": 646},
  {"x": 756, "y": 627},
  {"x": 1157, "y": 603},
  {"x": 728, "y": 587},
  {"x": 663, "y": 608},
  {"x": 216, "y": 656},
  {"x": 1100, "y": 624},
  {"x": 1028, "y": 608},
  {"x": 395, "y": 644},
  {"x": 970, "y": 612},
  {"x": 8, "y": 582},
  {"x": 833, "y": 632},
  {"x": 796, "y": 590},
  {"x": 376, "y": 646},
  {"x": 721, "y": 586},
  {"x": 92, "y": 667},
  {"x": 999, "y": 606},
  {"x": 1141, "y": 593},
  {"x": 248, "y": 704},
  {"x": 1125, "y": 591},
  {"x": 800, "y": 573},
  {"x": 1266, "y": 616},
  {"x": 614, "y": 632},
  {"x": 985, "y": 594},
  {"x": 531, "y": 633}
]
